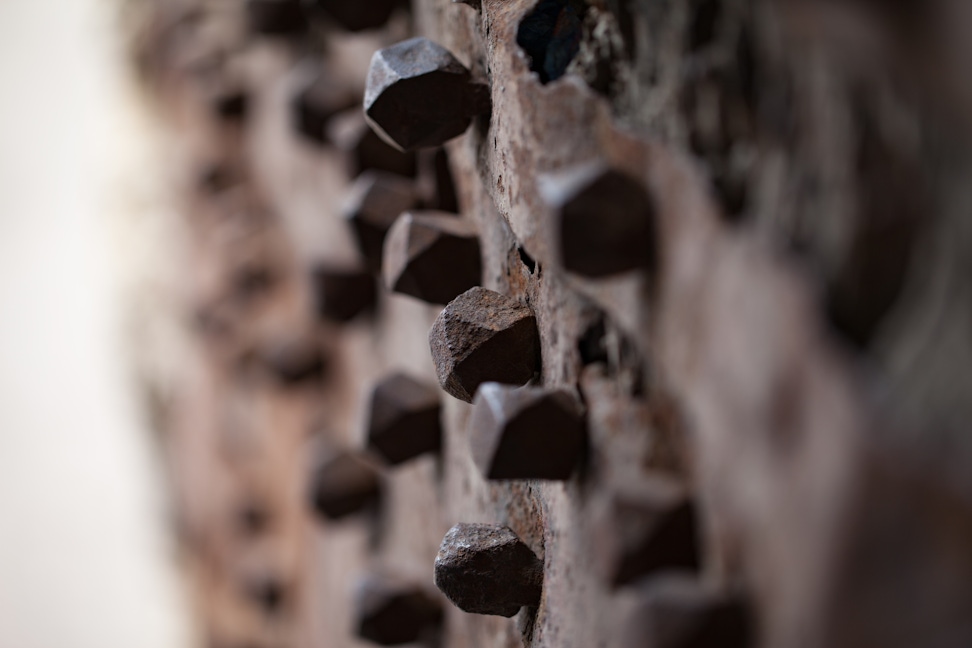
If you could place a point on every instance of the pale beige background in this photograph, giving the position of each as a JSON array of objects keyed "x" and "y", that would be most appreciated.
[{"x": 84, "y": 560}]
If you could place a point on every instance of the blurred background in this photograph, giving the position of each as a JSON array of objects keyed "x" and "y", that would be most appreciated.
[{"x": 86, "y": 558}]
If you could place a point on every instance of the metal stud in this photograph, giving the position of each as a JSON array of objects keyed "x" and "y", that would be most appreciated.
[
  {"x": 404, "y": 421},
  {"x": 526, "y": 432},
  {"x": 419, "y": 96},
  {"x": 433, "y": 256},
  {"x": 486, "y": 569},
  {"x": 483, "y": 336}
]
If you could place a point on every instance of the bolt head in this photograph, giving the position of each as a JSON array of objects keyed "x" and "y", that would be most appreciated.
[
  {"x": 231, "y": 104},
  {"x": 374, "y": 202},
  {"x": 364, "y": 149},
  {"x": 487, "y": 569},
  {"x": 294, "y": 361},
  {"x": 676, "y": 610},
  {"x": 390, "y": 612},
  {"x": 356, "y": 16},
  {"x": 433, "y": 256},
  {"x": 344, "y": 484},
  {"x": 526, "y": 432},
  {"x": 648, "y": 531},
  {"x": 316, "y": 100},
  {"x": 268, "y": 592},
  {"x": 483, "y": 336},
  {"x": 341, "y": 294},
  {"x": 276, "y": 17},
  {"x": 604, "y": 220},
  {"x": 404, "y": 421},
  {"x": 418, "y": 95}
]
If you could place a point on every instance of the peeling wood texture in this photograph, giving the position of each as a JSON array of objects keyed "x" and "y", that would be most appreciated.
[{"x": 791, "y": 356}]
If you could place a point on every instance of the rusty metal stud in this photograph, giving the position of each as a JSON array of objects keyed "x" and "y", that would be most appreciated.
[
  {"x": 648, "y": 531},
  {"x": 356, "y": 16},
  {"x": 526, "y": 432},
  {"x": 443, "y": 196},
  {"x": 267, "y": 591},
  {"x": 419, "y": 96},
  {"x": 433, "y": 256},
  {"x": 604, "y": 220},
  {"x": 231, "y": 104},
  {"x": 315, "y": 102},
  {"x": 404, "y": 421},
  {"x": 675, "y": 610},
  {"x": 390, "y": 612},
  {"x": 217, "y": 177},
  {"x": 374, "y": 202},
  {"x": 276, "y": 17},
  {"x": 365, "y": 151},
  {"x": 341, "y": 294},
  {"x": 483, "y": 336},
  {"x": 486, "y": 569},
  {"x": 344, "y": 484},
  {"x": 252, "y": 518},
  {"x": 293, "y": 361},
  {"x": 252, "y": 280}
]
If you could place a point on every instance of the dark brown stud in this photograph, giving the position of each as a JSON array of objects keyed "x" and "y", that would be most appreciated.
[
  {"x": 404, "y": 420},
  {"x": 390, "y": 612},
  {"x": 435, "y": 164},
  {"x": 266, "y": 591},
  {"x": 376, "y": 199},
  {"x": 315, "y": 102},
  {"x": 293, "y": 361},
  {"x": 486, "y": 569},
  {"x": 276, "y": 17},
  {"x": 675, "y": 610},
  {"x": 604, "y": 220},
  {"x": 483, "y": 336},
  {"x": 645, "y": 532},
  {"x": 356, "y": 16},
  {"x": 366, "y": 151},
  {"x": 526, "y": 432},
  {"x": 419, "y": 96},
  {"x": 252, "y": 519},
  {"x": 217, "y": 177},
  {"x": 344, "y": 484},
  {"x": 252, "y": 280},
  {"x": 230, "y": 104},
  {"x": 341, "y": 294},
  {"x": 433, "y": 256}
]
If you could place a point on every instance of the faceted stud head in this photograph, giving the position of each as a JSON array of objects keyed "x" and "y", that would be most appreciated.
[
  {"x": 675, "y": 610},
  {"x": 483, "y": 336},
  {"x": 364, "y": 149},
  {"x": 648, "y": 531},
  {"x": 356, "y": 16},
  {"x": 389, "y": 612},
  {"x": 344, "y": 484},
  {"x": 605, "y": 220},
  {"x": 404, "y": 419},
  {"x": 276, "y": 17},
  {"x": 315, "y": 102},
  {"x": 486, "y": 569},
  {"x": 376, "y": 199},
  {"x": 433, "y": 256},
  {"x": 267, "y": 591},
  {"x": 419, "y": 96},
  {"x": 294, "y": 361},
  {"x": 341, "y": 294},
  {"x": 526, "y": 433}
]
